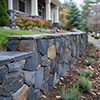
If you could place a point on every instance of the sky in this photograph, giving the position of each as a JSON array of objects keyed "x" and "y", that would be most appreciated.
[{"x": 78, "y": 2}]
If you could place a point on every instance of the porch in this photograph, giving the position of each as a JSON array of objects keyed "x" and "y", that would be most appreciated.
[{"x": 41, "y": 8}]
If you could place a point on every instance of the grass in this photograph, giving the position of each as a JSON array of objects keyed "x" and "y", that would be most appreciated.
[{"x": 5, "y": 33}]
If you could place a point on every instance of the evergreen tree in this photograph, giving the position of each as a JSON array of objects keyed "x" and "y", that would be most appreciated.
[
  {"x": 3, "y": 14},
  {"x": 74, "y": 16},
  {"x": 86, "y": 8}
]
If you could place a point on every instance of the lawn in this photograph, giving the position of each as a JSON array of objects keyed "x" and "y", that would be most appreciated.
[{"x": 5, "y": 33}]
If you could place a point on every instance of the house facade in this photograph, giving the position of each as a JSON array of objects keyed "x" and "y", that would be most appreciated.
[{"x": 41, "y": 8}]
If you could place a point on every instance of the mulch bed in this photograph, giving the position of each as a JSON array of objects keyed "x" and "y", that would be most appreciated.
[{"x": 72, "y": 77}]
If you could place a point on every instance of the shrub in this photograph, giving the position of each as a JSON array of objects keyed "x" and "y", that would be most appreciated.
[
  {"x": 4, "y": 18},
  {"x": 89, "y": 61},
  {"x": 92, "y": 35},
  {"x": 93, "y": 55},
  {"x": 85, "y": 73},
  {"x": 96, "y": 37},
  {"x": 90, "y": 43},
  {"x": 73, "y": 93},
  {"x": 46, "y": 24},
  {"x": 92, "y": 51},
  {"x": 26, "y": 21},
  {"x": 84, "y": 84},
  {"x": 67, "y": 27}
]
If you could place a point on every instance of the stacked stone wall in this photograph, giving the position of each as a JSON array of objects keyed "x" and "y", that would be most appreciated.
[{"x": 50, "y": 57}]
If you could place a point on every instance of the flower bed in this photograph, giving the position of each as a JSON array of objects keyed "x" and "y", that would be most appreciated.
[{"x": 25, "y": 22}]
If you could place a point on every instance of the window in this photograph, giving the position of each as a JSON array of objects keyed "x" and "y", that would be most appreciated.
[{"x": 22, "y": 5}]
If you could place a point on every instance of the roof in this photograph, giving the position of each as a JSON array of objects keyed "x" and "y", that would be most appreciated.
[{"x": 56, "y": 2}]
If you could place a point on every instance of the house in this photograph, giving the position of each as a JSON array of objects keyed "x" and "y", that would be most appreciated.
[{"x": 40, "y": 8}]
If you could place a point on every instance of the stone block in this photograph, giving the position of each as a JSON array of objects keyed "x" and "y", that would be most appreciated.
[
  {"x": 33, "y": 62},
  {"x": 38, "y": 93},
  {"x": 50, "y": 42},
  {"x": 39, "y": 78},
  {"x": 57, "y": 45},
  {"x": 45, "y": 87},
  {"x": 16, "y": 66},
  {"x": 3, "y": 73},
  {"x": 5, "y": 98},
  {"x": 46, "y": 73},
  {"x": 30, "y": 77},
  {"x": 31, "y": 94},
  {"x": 21, "y": 94},
  {"x": 12, "y": 45},
  {"x": 62, "y": 69},
  {"x": 51, "y": 82},
  {"x": 14, "y": 81},
  {"x": 56, "y": 78},
  {"x": 27, "y": 45},
  {"x": 42, "y": 46},
  {"x": 45, "y": 61},
  {"x": 53, "y": 66},
  {"x": 52, "y": 52}
]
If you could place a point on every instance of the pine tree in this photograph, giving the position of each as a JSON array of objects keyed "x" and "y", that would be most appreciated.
[
  {"x": 3, "y": 14},
  {"x": 86, "y": 8},
  {"x": 74, "y": 16}
]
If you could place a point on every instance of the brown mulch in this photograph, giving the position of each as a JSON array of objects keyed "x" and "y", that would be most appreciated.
[
  {"x": 2, "y": 48},
  {"x": 72, "y": 77}
]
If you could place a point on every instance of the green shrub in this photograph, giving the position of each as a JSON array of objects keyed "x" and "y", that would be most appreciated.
[
  {"x": 96, "y": 37},
  {"x": 85, "y": 73},
  {"x": 92, "y": 47},
  {"x": 89, "y": 61},
  {"x": 73, "y": 93},
  {"x": 92, "y": 51},
  {"x": 84, "y": 84},
  {"x": 90, "y": 43},
  {"x": 93, "y": 55},
  {"x": 4, "y": 19},
  {"x": 92, "y": 35}
]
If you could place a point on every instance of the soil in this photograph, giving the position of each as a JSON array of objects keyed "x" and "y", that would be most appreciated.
[
  {"x": 2, "y": 48},
  {"x": 72, "y": 76}
]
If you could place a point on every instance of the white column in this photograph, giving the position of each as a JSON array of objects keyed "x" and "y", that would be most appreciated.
[
  {"x": 52, "y": 15},
  {"x": 48, "y": 9},
  {"x": 10, "y": 4},
  {"x": 57, "y": 14},
  {"x": 34, "y": 7}
]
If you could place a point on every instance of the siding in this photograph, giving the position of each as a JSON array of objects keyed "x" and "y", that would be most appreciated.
[{"x": 28, "y": 6}]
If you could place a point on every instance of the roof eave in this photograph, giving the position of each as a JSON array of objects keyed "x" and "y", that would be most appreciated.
[{"x": 56, "y": 2}]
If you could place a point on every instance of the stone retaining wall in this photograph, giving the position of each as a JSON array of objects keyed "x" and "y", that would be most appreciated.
[{"x": 52, "y": 55}]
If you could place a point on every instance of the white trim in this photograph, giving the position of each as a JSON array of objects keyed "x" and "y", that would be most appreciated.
[
  {"x": 48, "y": 9},
  {"x": 10, "y": 4},
  {"x": 34, "y": 7},
  {"x": 57, "y": 14}
]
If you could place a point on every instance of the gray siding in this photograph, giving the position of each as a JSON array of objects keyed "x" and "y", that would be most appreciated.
[{"x": 28, "y": 6}]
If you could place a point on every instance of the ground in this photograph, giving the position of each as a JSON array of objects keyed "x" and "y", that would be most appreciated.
[
  {"x": 72, "y": 77},
  {"x": 96, "y": 42}
]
